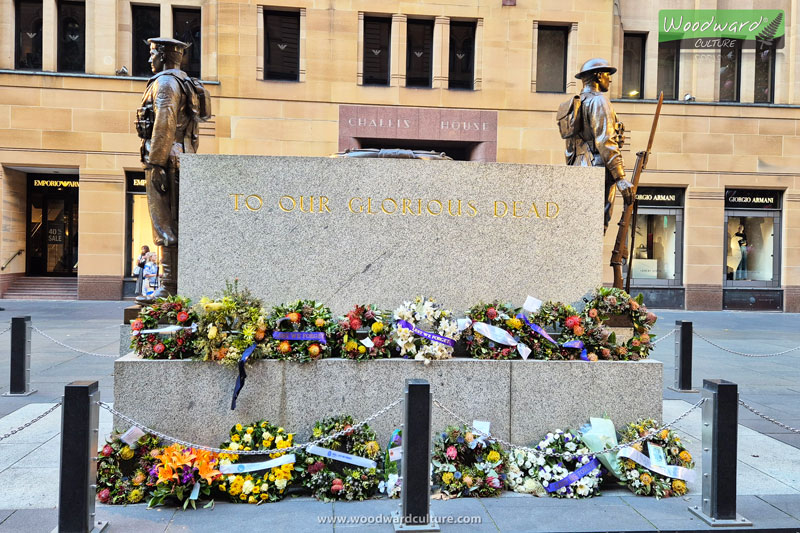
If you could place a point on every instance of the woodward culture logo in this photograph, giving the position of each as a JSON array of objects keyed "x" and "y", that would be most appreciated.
[{"x": 722, "y": 28}]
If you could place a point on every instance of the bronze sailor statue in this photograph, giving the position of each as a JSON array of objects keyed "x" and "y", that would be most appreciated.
[{"x": 167, "y": 122}]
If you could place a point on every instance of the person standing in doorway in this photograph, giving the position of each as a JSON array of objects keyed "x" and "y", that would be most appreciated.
[{"x": 138, "y": 270}]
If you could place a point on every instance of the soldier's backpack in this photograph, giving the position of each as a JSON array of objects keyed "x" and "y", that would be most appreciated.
[
  {"x": 569, "y": 117},
  {"x": 203, "y": 109}
]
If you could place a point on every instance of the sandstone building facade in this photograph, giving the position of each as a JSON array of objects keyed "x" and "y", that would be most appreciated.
[{"x": 478, "y": 79}]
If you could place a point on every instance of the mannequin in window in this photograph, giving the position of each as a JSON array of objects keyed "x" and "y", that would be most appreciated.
[{"x": 741, "y": 238}]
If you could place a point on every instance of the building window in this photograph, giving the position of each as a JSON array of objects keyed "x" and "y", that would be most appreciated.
[
  {"x": 462, "y": 55},
  {"x": 551, "y": 59},
  {"x": 669, "y": 54},
  {"x": 71, "y": 36},
  {"x": 633, "y": 65},
  {"x": 282, "y": 45},
  {"x": 730, "y": 66},
  {"x": 419, "y": 53},
  {"x": 186, "y": 27},
  {"x": 765, "y": 73},
  {"x": 146, "y": 25},
  {"x": 377, "y": 49},
  {"x": 28, "y": 35}
]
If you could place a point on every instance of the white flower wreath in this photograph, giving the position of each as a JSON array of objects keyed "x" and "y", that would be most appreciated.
[
  {"x": 522, "y": 468},
  {"x": 428, "y": 321},
  {"x": 580, "y": 467}
]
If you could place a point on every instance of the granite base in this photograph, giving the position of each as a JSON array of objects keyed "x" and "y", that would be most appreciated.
[{"x": 522, "y": 399}]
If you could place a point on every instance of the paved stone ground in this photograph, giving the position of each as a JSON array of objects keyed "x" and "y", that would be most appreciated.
[{"x": 768, "y": 469}]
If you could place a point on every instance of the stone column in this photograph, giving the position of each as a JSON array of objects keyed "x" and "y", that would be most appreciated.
[
  {"x": 49, "y": 35},
  {"x": 781, "y": 82},
  {"x": 301, "y": 74},
  {"x": 704, "y": 260},
  {"x": 747, "y": 76},
  {"x": 572, "y": 59},
  {"x": 478, "y": 82},
  {"x": 7, "y": 34},
  {"x": 167, "y": 29},
  {"x": 124, "y": 35},
  {"x": 208, "y": 23},
  {"x": 399, "y": 37},
  {"x": 534, "y": 54},
  {"x": 703, "y": 72},
  {"x": 101, "y": 44},
  {"x": 262, "y": 34},
  {"x": 360, "y": 51},
  {"x": 441, "y": 53},
  {"x": 650, "y": 89}
]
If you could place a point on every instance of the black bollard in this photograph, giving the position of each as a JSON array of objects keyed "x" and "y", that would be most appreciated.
[
  {"x": 683, "y": 357},
  {"x": 20, "y": 377},
  {"x": 78, "y": 474},
  {"x": 416, "y": 469},
  {"x": 720, "y": 435}
]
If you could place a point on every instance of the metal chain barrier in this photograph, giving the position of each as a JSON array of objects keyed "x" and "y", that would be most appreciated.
[
  {"x": 6, "y": 330},
  {"x": 46, "y": 336},
  {"x": 664, "y": 336},
  {"x": 712, "y": 343},
  {"x": 767, "y": 418},
  {"x": 296, "y": 447},
  {"x": 567, "y": 455},
  {"x": 23, "y": 426}
]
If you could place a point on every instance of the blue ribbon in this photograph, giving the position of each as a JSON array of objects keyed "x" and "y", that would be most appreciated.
[
  {"x": 569, "y": 344},
  {"x": 242, "y": 374},
  {"x": 299, "y": 336},
  {"x": 428, "y": 335},
  {"x": 574, "y": 476}
]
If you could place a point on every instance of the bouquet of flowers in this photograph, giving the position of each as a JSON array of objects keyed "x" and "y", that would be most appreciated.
[
  {"x": 300, "y": 331},
  {"x": 392, "y": 483},
  {"x": 496, "y": 315},
  {"x": 466, "y": 464},
  {"x": 177, "y": 344},
  {"x": 553, "y": 474},
  {"x": 559, "y": 319},
  {"x": 647, "y": 482},
  {"x": 330, "y": 479},
  {"x": 364, "y": 317},
  {"x": 231, "y": 324},
  {"x": 608, "y": 302},
  {"x": 522, "y": 469},
  {"x": 425, "y": 330},
  {"x": 122, "y": 469},
  {"x": 267, "y": 486},
  {"x": 184, "y": 474}
]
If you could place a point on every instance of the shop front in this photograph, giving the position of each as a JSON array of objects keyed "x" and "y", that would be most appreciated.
[
  {"x": 52, "y": 225},
  {"x": 752, "y": 244},
  {"x": 657, "y": 267},
  {"x": 139, "y": 228}
]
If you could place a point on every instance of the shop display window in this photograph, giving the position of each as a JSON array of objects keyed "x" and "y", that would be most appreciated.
[{"x": 751, "y": 247}]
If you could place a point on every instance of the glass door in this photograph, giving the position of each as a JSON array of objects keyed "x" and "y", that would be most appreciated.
[{"x": 52, "y": 232}]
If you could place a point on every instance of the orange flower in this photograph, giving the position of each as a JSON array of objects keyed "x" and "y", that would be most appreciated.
[
  {"x": 679, "y": 487},
  {"x": 685, "y": 456},
  {"x": 664, "y": 434},
  {"x": 206, "y": 471},
  {"x": 165, "y": 474},
  {"x": 645, "y": 479}
]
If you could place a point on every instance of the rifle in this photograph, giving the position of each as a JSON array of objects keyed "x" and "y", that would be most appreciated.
[{"x": 621, "y": 245}]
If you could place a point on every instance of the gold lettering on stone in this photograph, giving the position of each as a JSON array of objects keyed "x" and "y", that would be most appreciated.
[
  {"x": 310, "y": 208},
  {"x": 547, "y": 209},
  {"x": 450, "y": 208},
  {"x": 505, "y": 208},
  {"x": 514, "y": 209},
  {"x": 350, "y": 205},
  {"x": 383, "y": 203},
  {"x": 407, "y": 205},
  {"x": 250, "y": 207},
  {"x": 435, "y": 202},
  {"x": 369, "y": 207},
  {"x": 235, "y": 200},
  {"x": 323, "y": 204},
  {"x": 289, "y": 210},
  {"x": 534, "y": 209},
  {"x": 472, "y": 208}
]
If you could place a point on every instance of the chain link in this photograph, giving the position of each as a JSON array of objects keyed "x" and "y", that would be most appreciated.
[
  {"x": 664, "y": 336},
  {"x": 769, "y": 419},
  {"x": 296, "y": 447},
  {"x": 712, "y": 343},
  {"x": 23, "y": 426},
  {"x": 567, "y": 455},
  {"x": 46, "y": 336},
  {"x": 5, "y": 330}
]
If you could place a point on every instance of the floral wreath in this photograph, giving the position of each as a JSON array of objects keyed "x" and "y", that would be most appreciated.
[
  {"x": 375, "y": 322},
  {"x": 465, "y": 464},
  {"x": 608, "y": 302},
  {"x": 309, "y": 323},
  {"x": 557, "y": 317},
  {"x": 522, "y": 468},
  {"x": 266, "y": 486},
  {"x": 428, "y": 320},
  {"x": 495, "y": 314},
  {"x": 177, "y": 472},
  {"x": 553, "y": 474},
  {"x": 122, "y": 469},
  {"x": 173, "y": 310},
  {"x": 329, "y": 479},
  {"x": 231, "y": 324},
  {"x": 643, "y": 481}
]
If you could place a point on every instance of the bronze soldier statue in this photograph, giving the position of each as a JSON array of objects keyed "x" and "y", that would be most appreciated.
[
  {"x": 594, "y": 136},
  {"x": 173, "y": 104}
]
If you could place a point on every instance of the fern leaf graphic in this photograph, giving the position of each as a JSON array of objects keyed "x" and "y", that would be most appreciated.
[{"x": 769, "y": 32}]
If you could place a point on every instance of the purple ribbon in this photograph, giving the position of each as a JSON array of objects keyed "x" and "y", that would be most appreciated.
[
  {"x": 299, "y": 336},
  {"x": 569, "y": 344},
  {"x": 428, "y": 335},
  {"x": 574, "y": 476}
]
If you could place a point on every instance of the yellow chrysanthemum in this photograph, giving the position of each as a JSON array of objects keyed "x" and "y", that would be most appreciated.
[
  {"x": 664, "y": 435},
  {"x": 630, "y": 465},
  {"x": 126, "y": 453},
  {"x": 249, "y": 430},
  {"x": 447, "y": 477},
  {"x": 514, "y": 323},
  {"x": 685, "y": 456},
  {"x": 645, "y": 478},
  {"x": 679, "y": 487},
  {"x": 493, "y": 456},
  {"x": 362, "y": 349},
  {"x": 377, "y": 327},
  {"x": 351, "y": 346},
  {"x": 238, "y": 427},
  {"x": 135, "y": 496},
  {"x": 235, "y": 438}
]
